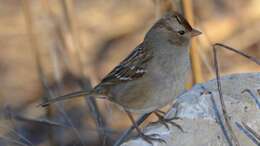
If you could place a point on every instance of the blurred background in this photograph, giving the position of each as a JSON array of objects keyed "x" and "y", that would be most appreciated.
[{"x": 53, "y": 47}]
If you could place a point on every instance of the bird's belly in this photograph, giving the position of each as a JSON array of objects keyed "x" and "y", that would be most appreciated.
[
  {"x": 162, "y": 91},
  {"x": 167, "y": 84},
  {"x": 167, "y": 92},
  {"x": 157, "y": 98}
]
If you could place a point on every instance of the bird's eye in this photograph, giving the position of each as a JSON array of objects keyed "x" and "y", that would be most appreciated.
[{"x": 181, "y": 32}]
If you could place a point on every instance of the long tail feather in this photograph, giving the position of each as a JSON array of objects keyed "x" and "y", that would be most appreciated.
[{"x": 65, "y": 97}]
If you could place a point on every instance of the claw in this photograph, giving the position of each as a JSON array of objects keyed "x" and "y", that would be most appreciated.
[
  {"x": 151, "y": 138},
  {"x": 165, "y": 122},
  {"x": 175, "y": 124},
  {"x": 147, "y": 138}
]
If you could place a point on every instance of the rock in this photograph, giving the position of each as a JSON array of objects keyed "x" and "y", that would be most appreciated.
[{"x": 200, "y": 114}]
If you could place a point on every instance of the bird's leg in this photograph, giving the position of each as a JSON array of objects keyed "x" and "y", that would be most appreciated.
[{"x": 147, "y": 138}]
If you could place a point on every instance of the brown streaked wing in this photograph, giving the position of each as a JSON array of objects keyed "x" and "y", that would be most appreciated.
[{"x": 131, "y": 68}]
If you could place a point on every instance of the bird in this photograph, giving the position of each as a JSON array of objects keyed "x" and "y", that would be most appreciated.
[{"x": 153, "y": 74}]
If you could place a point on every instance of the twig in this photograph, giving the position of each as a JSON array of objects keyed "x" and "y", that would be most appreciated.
[
  {"x": 67, "y": 9},
  {"x": 177, "y": 6},
  {"x": 257, "y": 61},
  {"x": 253, "y": 96},
  {"x": 70, "y": 19},
  {"x": 124, "y": 136},
  {"x": 95, "y": 112},
  {"x": 21, "y": 137},
  {"x": 42, "y": 77},
  {"x": 247, "y": 133},
  {"x": 10, "y": 116},
  {"x": 35, "y": 49},
  {"x": 203, "y": 56},
  {"x": 218, "y": 115},
  {"x": 157, "y": 6},
  {"x": 12, "y": 141},
  {"x": 57, "y": 75},
  {"x": 40, "y": 121},
  {"x": 33, "y": 39},
  {"x": 227, "y": 121},
  {"x": 256, "y": 135},
  {"x": 13, "y": 116},
  {"x": 58, "y": 33},
  {"x": 226, "y": 118},
  {"x": 195, "y": 60}
]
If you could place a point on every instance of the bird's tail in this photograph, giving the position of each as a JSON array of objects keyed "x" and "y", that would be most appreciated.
[{"x": 66, "y": 97}]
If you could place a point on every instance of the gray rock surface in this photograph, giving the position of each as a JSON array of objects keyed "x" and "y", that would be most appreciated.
[{"x": 201, "y": 112}]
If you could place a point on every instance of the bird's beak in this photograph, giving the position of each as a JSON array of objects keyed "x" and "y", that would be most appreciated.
[{"x": 195, "y": 32}]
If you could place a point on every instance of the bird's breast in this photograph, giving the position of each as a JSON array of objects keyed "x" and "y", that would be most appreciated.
[
  {"x": 171, "y": 64},
  {"x": 168, "y": 76}
]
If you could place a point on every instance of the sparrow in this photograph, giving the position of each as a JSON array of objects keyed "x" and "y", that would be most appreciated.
[{"x": 153, "y": 74}]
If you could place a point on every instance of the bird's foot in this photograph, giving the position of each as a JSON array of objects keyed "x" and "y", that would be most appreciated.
[
  {"x": 166, "y": 121},
  {"x": 152, "y": 137}
]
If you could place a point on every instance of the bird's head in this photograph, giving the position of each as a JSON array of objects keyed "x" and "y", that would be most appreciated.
[{"x": 173, "y": 27}]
